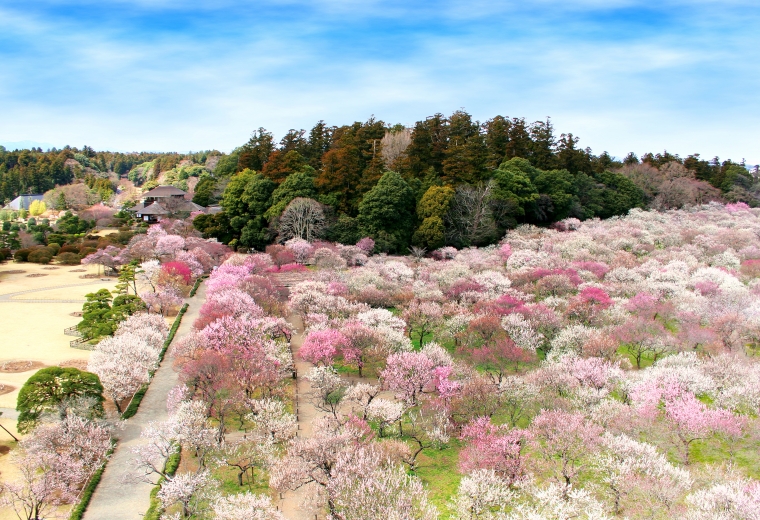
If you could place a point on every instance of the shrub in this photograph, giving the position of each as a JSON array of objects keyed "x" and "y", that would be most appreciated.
[
  {"x": 68, "y": 248},
  {"x": 42, "y": 255},
  {"x": 751, "y": 268},
  {"x": 22, "y": 255},
  {"x": 5, "y": 254},
  {"x": 68, "y": 259},
  {"x": 325, "y": 258}
]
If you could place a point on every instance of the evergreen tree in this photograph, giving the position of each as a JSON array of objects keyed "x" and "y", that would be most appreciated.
[
  {"x": 53, "y": 390},
  {"x": 385, "y": 213},
  {"x": 255, "y": 153}
]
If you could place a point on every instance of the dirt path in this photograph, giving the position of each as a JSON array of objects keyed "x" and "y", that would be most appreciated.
[
  {"x": 290, "y": 505},
  {"x": 114, "y": 498}
]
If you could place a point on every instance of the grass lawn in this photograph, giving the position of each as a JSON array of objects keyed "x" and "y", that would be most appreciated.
[{"x": 438, "y": 471}]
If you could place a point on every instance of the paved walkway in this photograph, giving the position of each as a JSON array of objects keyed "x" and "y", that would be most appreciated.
[
  {"x": 290, "y": 505},
  {"x": 115, "y": 498}
]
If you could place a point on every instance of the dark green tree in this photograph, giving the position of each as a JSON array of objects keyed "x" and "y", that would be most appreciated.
[
  {"x": 255, "y": 153},
  {"x": 385, "y": 213},
  {"x": 298, "y": 184},
  {"x": 466, "y": 152},
  {"x": 54, "y": 390},
  {"x": 513, "y": 187},
  {"x": 431, "y": 210},
  {"x": 97, "y": 319},
  {"x": 204, "y": 191}
]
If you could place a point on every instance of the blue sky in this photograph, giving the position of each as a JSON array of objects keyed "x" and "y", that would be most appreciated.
[{"x": 623, "y": 75}]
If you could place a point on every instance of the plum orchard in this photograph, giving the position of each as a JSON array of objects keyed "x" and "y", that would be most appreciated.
[{"x": 598, "y": 369}]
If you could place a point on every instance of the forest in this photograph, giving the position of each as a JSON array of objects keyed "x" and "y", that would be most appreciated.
[{"x": 447, "y": 181}]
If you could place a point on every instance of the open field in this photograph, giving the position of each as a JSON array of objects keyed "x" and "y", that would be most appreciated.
[
  {"x": 33, "y": 330},
  {"x": 35, "y": 319}
]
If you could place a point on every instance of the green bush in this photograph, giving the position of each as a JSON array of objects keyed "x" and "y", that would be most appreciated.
[
  {"x": 49, "y": 387},
  {"x": 5, "y": 254},
  {"x": 68, "y": 259},
  {"x": 22, "y": 255},
  {"x": 69, "y": 249},
  {"x": 56, "y": 248},
  {"x": 195, "y": 287},
  {"x": 40, "y": 256}
]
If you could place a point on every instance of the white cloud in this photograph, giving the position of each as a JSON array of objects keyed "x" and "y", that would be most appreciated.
[{"x": 209, "y": 86}]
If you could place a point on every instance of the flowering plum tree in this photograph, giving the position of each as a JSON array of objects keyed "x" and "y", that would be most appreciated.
[
  {"x": 564, "y": 440},
  {"x": 495, "y": 448},
  {"x": 409, "y": 374},
  {"x": 245, "y": 505},
  {"x": 322, "y": 346},
  {"x": 691, "y": 420},
  {"x": 422, "y": 318},
  {"x": 367, "y": 486}
]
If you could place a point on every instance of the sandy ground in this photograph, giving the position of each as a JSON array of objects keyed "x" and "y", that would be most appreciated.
[{"x": 33, "y": 330}]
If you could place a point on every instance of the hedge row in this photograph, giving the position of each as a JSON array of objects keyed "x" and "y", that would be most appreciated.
[
  {"x": 155, "y": 510},
  {"x": 134, "y": 404},
  {"x": 77, "y": 513},
  {"x": 197, "y": 284}
]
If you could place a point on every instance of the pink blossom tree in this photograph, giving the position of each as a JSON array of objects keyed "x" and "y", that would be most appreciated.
[
  {"x": 163, "y": 300},
  {"x": 690, "y": 420},
  {"x": 564, "y": 440},
  {"x": 643, "y": 337},
  {"x": 191, "y": 491},
  {"x": 322, "y": 346},
  {"x": 409, "y": 374},
  {"x": 228, "y": 301},
  {"x": 168, "y": 246},
  {"x": 362, "y": 342},
  {"x": 367, "y": 245},
  {"x": 123, "y": 363},
  {"x": 300, "y": 248},
  {"x": 311, "y": 460},
  {"x": 491, "y": 447},
  {"x": 178, "y": 269},
  {"x": 54, "y": 462},
  {"x": 245, "y": 505},
  {"x": 368, "y": 485}
]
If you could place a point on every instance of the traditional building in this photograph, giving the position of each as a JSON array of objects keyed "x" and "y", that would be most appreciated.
[{"x": 163, "y": 202}]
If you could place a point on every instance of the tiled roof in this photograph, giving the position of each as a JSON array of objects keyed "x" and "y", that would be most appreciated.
[
  {"x": 154, "y": 209},
  {"x": 164, "y": 191}
]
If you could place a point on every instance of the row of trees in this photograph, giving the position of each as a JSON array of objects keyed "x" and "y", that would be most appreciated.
[
  {"x": 448, "y": 180},
  {"x": 234, "y": 369},
  {"x": 257, "y": 210}
]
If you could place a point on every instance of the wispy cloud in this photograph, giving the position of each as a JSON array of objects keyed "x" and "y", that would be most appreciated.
[{"x": 162, "y": 74}]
